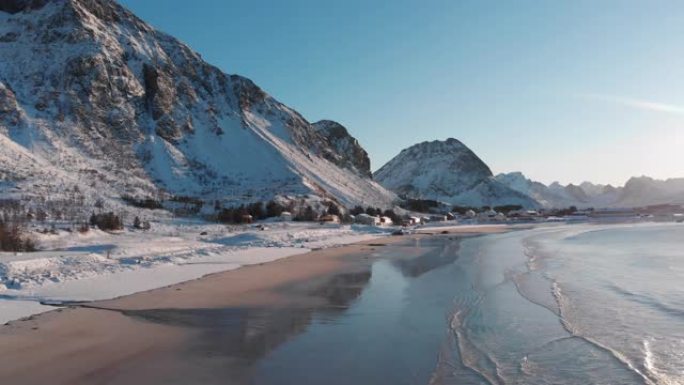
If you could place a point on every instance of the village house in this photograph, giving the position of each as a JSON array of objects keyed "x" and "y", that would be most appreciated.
[
  {"x": 386, "y": 221},
  {"x": 487, "y": 214},
  {"x": 411, "y": 221},
  {"x": 365, "y": 219}
]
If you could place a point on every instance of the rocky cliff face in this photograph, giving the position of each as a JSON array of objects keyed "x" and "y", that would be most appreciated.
[
  {"x": 446, "y": 171},
  {"x": 87, "y": 87},
  {"x": 345, "y": 151}
]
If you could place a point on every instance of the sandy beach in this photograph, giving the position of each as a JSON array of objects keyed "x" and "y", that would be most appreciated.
[{"x": 150, "y": 337}]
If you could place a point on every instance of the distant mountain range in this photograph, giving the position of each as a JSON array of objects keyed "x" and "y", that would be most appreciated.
[
  {"x": 449, "y": 171},
  {"x": 637, "y": 192},
  {"x": 95, "y": 104}
]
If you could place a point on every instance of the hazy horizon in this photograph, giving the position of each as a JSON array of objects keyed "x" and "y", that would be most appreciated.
[{"x": 566, "y": 92}]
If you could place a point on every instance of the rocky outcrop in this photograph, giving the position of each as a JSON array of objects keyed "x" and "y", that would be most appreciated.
[
  {"x": 345, "y": 150},
  {"x": 10, "y": 113}
]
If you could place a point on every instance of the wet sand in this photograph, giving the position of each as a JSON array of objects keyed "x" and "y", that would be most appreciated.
[{"x": 209, "y": 330}]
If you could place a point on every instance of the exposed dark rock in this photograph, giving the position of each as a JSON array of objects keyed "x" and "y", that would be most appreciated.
[
  {"x": 15, "y": 6},
  {"x": 345, "y": 149}
]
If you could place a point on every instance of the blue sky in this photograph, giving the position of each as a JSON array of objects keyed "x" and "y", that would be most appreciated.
[{"x": 561, "y": 90}]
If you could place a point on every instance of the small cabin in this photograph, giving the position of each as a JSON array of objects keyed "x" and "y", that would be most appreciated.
[
  {"x": 246, "y": 218},
  {"x": 286, "y": 216}
]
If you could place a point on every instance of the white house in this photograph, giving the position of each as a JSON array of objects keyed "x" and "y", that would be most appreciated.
[
  {"x": 366, "y": 219},
  {"x": 286, "y": 216},
  {"x": 386, "y": 221},
  {"x": 413, "y": 220}
]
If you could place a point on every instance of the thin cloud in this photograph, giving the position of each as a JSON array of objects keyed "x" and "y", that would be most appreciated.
[{"x": 639, "y": 104}]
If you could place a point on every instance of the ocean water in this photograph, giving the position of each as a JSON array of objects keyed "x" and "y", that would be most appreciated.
[
  {"x": 581, "y": 304},
  {"x": 572, "y": 305}
]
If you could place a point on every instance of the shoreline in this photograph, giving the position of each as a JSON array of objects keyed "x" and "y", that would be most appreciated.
[
  {"x": 109, "y": 337},
  {"x": 77, "y": 268}
]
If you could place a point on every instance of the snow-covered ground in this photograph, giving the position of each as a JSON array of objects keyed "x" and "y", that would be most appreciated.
[{"x": 100, "y": 265}]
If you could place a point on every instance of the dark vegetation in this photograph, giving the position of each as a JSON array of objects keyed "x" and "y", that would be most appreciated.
[
  {"x": 507, "y": 208},
  {"x": 420, "y": 205},
  {"x": 463, "y": 209},
  {"x": 13, "y": 238},
  {"x": 333, "y": 209},
  {"x": 271, "y": 209},
  {"x": 566, "y": 211},
  {"x": 252, "y": 211},
  {"x": 306, "y": 215},
  {"x": 274, "y": 209},
  {"x": 143, "y": 203},
  {"x": 141, "y": 225},
  {"x": 185, "y": 199},
  {"x": 178, "y": 204},
  {"x": 106, "y": 221}
]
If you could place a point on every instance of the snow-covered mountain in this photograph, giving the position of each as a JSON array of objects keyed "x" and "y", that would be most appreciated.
[
  {"x": 447, "y": 171},
  {"x": 93, "y": 98},
  {"x": 637, "y": 192},
  {"x": 544, "y": 195},
  {"x": 643, "y": 191}
]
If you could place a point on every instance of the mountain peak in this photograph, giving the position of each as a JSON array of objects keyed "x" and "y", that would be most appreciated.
[
  {"x": 446, "y": 171},
  {"x": 449, "y": 145}
]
